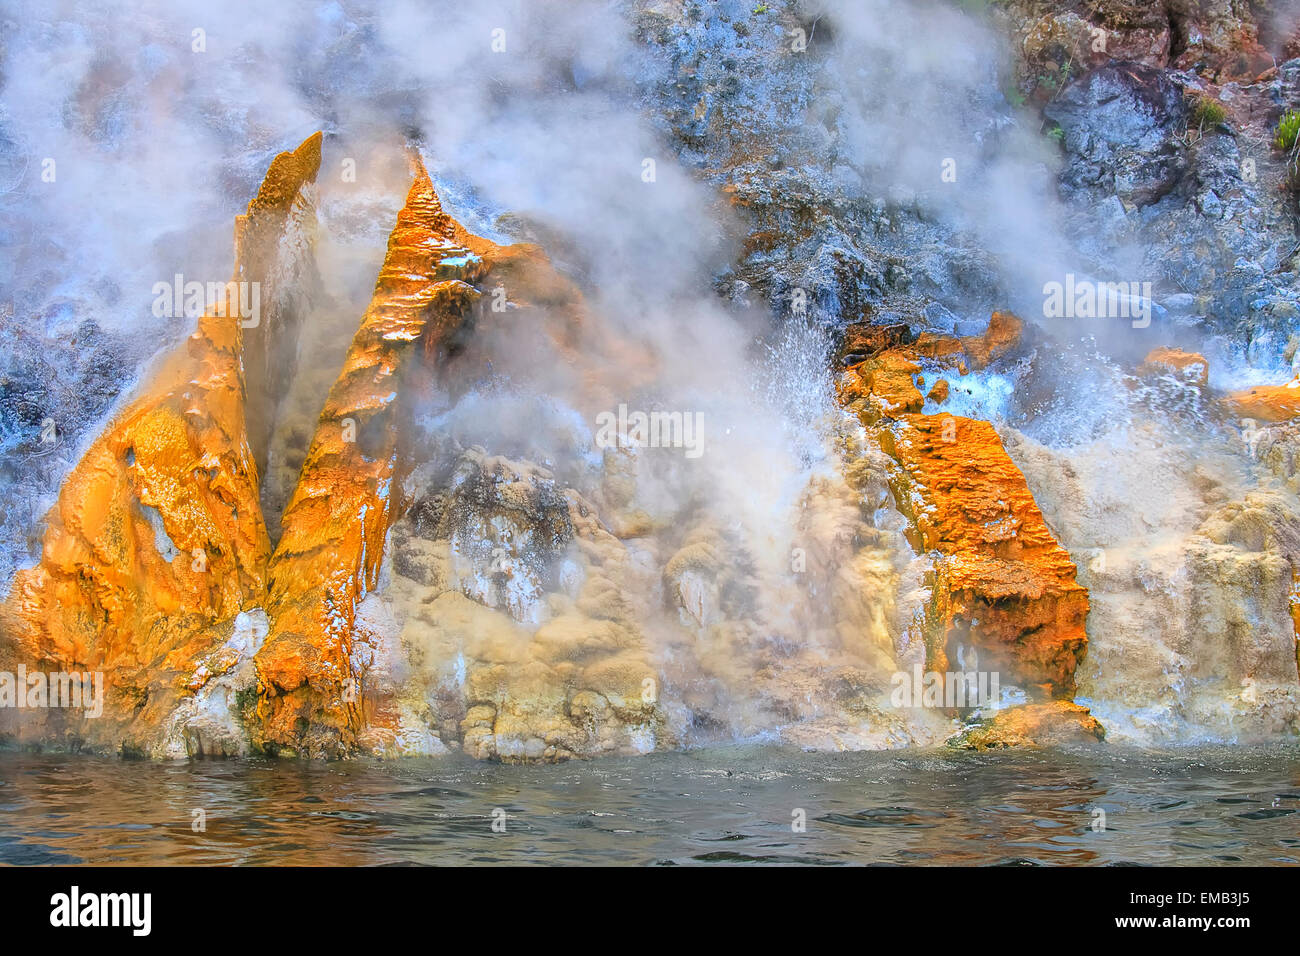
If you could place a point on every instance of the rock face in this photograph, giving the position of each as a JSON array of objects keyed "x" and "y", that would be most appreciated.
[
  {"x": 157, "y": 542},
  {"x": 518, "y": 606},
  {"x": 1000, "y": 582},
  {"x": 1190, "y": 574},
  {"x": 1118, "y": 122},
  {"x": 1208, "y": 209},
  {"x": 453, "y": 563},
  {"x": 337, "y": 521}
]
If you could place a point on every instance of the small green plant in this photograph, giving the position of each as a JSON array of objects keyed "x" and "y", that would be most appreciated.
[
  {"x": 1057, "y": 134},
  {"x": 1287, "y": 139},
  {"x": 760, "y": 9},
  {"x": 1054, "y": 78},
  {"x": 1288, "y": 131},
  {"x": 1206, "y": 113}
]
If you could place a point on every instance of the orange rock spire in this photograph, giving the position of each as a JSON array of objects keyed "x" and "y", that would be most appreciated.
[
  {"x": 157, "y": 533},
  {"x": 350, "y": 490}
]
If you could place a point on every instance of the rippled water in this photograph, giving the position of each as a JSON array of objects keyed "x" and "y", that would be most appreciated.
[{"x": 731, "y": 805}]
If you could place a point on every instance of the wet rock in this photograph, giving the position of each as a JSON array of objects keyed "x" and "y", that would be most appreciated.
[
  {"x": 1000, "y": 581},
  {"x": 351, "y": 487},
  {"x": 1190, "y": 574},
  {"x": 1267, "y": 403},
  {"x": 508, "y": 526},
  {"x": 531, "y": 651},
  {"x": 1032, "y": 725},
  {"x": 1118, "y": 123},
  {"x": 864, "y": 340},
  {"x": 157, "y": 537},
  {"x": 1189, "y": 365}
]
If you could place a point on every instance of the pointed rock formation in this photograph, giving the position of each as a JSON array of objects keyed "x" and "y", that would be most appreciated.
[
  {"x": 273, "y": 242},
  {"x": 351, "y": 488},
  {"x": 157, "y": 535}
]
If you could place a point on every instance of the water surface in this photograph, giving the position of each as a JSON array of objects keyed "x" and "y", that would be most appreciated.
[{"x": 735, "y": 805}]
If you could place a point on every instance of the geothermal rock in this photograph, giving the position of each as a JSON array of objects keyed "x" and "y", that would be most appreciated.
[
  {"x": 485, "y": 582},
  {"x": 157, "y": 537},
  {"x": 1191, "y": 582},
  {"x": 1191, "y": 366},
  {"x": 1267, "y": 403},
  {"x": 271, "y": 242},
  {"x": 1001, "y": 582},
  {"x": 350, "y": 491},
  {"x": 1032, "y": 725},
  {"x": 518, "y": 615},
  {"x": 999, "y": 340},
  {"x": 885, "y": 384},
  {"x": 862, "y": 340}
]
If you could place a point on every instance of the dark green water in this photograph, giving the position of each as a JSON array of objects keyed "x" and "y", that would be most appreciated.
[{"x": 734, "y": 805}]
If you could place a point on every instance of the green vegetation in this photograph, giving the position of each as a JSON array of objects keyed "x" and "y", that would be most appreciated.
[
  {"x": 1206, "y": 113},
  {"x": 1288, "y": 131},
  {"x": 1287, "y": 139},
  {"x": 1056, "y": 77}
]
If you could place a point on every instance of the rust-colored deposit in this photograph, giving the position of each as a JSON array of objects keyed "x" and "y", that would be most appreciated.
[
  {"x": 1001, "y": 583},
  {"x": 1033, "y": 725},
  {"x": 350, "y": 489},
  {"x": 1191, "y": 366},
  {"x": 157, "y": 533},
  {"x": 1267, "y": 403},
  {"x": 157, "y": 568},
  {"x": 999, "y": 340}
]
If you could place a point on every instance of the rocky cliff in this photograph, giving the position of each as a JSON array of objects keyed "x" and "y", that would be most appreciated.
[{"x": 564, "y": 500}]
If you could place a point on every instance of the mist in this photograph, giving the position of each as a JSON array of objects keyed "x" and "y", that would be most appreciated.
[{"x": 160, "y": 121}]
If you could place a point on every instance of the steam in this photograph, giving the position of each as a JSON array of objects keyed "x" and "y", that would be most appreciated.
[{"x": 530, "y": 118}]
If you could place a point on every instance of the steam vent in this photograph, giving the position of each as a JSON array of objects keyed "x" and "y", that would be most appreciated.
[{"x": 833, "y": 431}]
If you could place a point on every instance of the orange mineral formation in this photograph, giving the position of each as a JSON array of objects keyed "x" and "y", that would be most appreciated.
[
  {"x": 1268, "y": 403},
  {"x": 1191, "y": 366},
  {"x": 351, "y": 487},
  {"x": 270, "y": 241},
  {"x": 1001, "y": 584},
  {"x": 978, "y": 351},
  {"x": 157, "y": 535},
  {"x": 1033, "y": 725}
]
